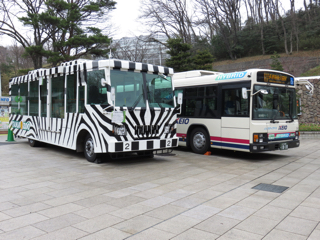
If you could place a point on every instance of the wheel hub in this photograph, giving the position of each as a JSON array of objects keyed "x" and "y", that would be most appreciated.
[
  {"x": 89, "y": 147},
  {"x": 199, "y": 140}
]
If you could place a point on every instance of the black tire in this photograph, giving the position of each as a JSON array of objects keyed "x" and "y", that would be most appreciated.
[
  {"x": 33, "y": 143},
  {"x": 88, "y": 149},
  {"x": 199, "y": 141}
]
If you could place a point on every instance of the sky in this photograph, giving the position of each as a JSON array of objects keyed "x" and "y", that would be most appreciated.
[
  {"x": 127, "y": 12},
  {"x": 125, "y": 17},
  {"x": 125, "y": 20}
]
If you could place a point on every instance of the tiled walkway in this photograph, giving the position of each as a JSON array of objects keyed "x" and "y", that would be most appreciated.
[{"x": 54, "y": 193}]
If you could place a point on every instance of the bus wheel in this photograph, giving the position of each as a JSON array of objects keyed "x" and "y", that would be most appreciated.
[
  {"x": 89, "y": 153},
  {"x": 199, "y": 141},
  {"x": 33, "y": 143}
]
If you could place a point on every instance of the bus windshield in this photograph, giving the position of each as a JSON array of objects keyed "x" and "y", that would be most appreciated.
[
  {"x": 159, "y": 91},
  {"x": 129, "y": 89},
  {"x": 277, "y": 104}
]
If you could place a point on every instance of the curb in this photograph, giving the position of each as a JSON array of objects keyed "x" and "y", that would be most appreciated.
[{"x": 310, "y": 134}]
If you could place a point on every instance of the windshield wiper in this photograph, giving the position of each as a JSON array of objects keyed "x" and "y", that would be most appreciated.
[
  {"x": 275, "y": 99},
  {"x": 290, "y": 118},
  {"x": 273, "y": 121},
  {"x": 154, "y": 101},
  {"x": 137, "y": 101},
  {"x": 290, "y": 107}
]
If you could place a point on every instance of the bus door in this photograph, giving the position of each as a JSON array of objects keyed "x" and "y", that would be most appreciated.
[
  {"x": 44, "y": 122},
  {"x": 56, "y": 106},
  {"x": 235, "y": 121}
]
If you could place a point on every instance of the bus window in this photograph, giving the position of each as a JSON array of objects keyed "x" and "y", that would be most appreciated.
[
  {"x": 95, "y": 91},
  {"x": 57, "y": 97},
  {"x": 200, "y": 102},
  {"x": 15, "y": 99},
  {"x": 234, "y": 104},
  {"x": 210, "y": 101},
  {"x": 71, "y": 93},
  {"x": 43, "y": 97},
  {"x": 24, "y": 98},
  {"x": 34, "y": 98},
  {"x": 81, "y": 99}
]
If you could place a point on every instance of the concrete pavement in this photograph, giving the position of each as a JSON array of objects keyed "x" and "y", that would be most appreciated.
[{"x": 54, "y": 193}]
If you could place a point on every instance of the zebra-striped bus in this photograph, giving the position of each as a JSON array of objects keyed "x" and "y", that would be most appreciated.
[{"x": 96, "y": 106}]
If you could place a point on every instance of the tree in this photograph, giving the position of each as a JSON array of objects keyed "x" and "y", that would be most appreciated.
[
  {"x": 150, "y": 49},
  {"x": 224, "y": 16},
  {"x": 184, "y": 57},
  {"x": 203, "y": 60},
  {"x": 276, "y": 8},
  {"x": 180, "y": 55},
  {"x": 170, "y": 17},
  {"x": 275, "y": 64},
  {"x": 65, "y": 26},
  {"x": 294, "y": 27}
]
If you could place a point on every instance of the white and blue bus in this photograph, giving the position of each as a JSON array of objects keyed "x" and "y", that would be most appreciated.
[
  {"x": 251, "y": 111},
  {"x": 106, "y": 106}
]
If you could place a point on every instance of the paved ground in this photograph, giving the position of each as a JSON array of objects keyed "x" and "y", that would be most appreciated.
[{"x": 53, "y": 193}]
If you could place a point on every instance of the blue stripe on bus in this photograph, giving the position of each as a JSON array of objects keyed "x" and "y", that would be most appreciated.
[
  {"x": 279, "y": 139},
  {"x": 230, "y": 145}
]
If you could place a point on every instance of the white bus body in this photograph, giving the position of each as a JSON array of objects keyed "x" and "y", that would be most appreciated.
[
  {"x": 215, "y": 112},
  {"x": 106, "y": 106}
]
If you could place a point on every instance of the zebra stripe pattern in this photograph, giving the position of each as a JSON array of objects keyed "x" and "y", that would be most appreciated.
[{"x": 145, "y": 128}]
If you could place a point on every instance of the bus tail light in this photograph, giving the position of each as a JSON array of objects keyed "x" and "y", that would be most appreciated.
[{"x": 297, "y": 135}]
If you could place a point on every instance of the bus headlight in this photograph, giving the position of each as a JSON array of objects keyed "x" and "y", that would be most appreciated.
[
  {"x": 166, "y": 129},
  {"x": 297, "y": 135},
  {"x": 120, "y": 130},
  {"x": 259, "y": 138}
]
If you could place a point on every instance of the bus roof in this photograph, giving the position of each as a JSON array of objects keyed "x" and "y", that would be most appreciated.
[
  {"x": 194, "y": 73},
  {"x": 183, "y": 79},
  {"x": 86, "y": 64}
]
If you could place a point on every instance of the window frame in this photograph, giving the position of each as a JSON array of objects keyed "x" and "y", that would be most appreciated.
[
  {"x": 223, "y": 103},
  {"x": 203, "y": 99}
]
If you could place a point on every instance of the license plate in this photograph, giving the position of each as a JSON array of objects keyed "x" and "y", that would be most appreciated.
[{"x": 283, "y": 146}]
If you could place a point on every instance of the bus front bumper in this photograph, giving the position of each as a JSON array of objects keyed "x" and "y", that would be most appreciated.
[
  {"x": 271, "y": 146},
  {"x": 142, "y": 145}
]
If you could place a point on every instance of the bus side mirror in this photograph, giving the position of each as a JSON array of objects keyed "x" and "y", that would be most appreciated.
[
  {"x": 103, "y": 82},
  {"x": 244, "y": 93},
  {"x": 180, "y": 98},
  {"x": 113, "y": 94}
]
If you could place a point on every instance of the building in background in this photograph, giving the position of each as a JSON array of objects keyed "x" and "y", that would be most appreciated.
[{"x": 146, "y": 49}]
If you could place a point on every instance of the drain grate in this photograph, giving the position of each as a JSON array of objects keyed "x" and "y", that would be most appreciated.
[{"x": 270, "y": 188}]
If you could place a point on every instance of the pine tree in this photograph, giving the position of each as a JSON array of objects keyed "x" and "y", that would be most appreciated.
[
  {"x": 58, "y": 28},
  {"x": 184, "y": 58},
  {"x": 180, "y": 55}
]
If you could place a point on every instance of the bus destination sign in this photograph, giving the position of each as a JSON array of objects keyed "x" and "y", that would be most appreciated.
[{"x": 272, "y": 77}]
